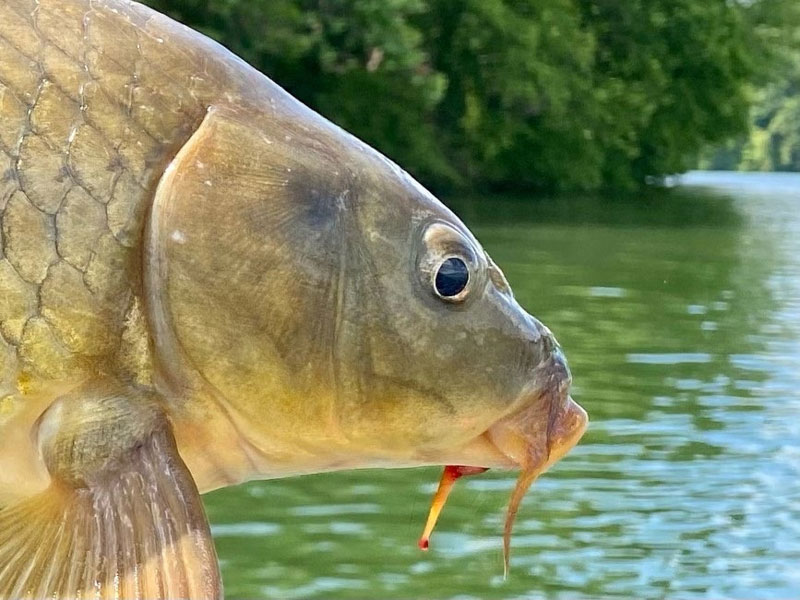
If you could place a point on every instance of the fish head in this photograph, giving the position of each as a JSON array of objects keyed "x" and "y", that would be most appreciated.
[
  {"x": 464, "y": 374},
  {"x": 341, "y": 315}
]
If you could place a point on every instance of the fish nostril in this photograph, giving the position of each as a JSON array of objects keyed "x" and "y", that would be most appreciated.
[
  {"x": 544, "y": 345},
  {"x": 548, "y": 351},
  {"x": 539, "y": 338},
  {"x": 548, "y": 343}
]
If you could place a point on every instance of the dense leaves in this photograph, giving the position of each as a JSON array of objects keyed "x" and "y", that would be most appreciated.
[
  {"x": 514, "y": 94},
  {"x": 773, "y": 142}
]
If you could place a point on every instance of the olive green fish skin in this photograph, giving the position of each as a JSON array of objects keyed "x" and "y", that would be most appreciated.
[
  {"x": 92, "y": 106},
  {"x": 203, "y": 282},
  {"x": 172, "y": 220}
]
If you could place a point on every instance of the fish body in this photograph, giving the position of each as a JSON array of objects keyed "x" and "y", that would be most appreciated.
[
  {"x": 94, "y": 103},
  {"x": 203, "y": 282},
  {"x": 96, "y": 99}
]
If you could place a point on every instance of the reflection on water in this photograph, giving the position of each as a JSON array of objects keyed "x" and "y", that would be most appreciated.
[{"x": 681, "y": 319}]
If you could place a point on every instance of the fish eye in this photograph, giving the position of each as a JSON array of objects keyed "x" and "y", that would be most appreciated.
[
  {"x": 450, "y": 265},
  {"x": 451, "y": 278}
]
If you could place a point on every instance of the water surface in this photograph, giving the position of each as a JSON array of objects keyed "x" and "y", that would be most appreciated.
[{"x": 680, "y": 316}]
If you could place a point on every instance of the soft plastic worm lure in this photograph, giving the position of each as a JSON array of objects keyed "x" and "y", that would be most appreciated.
[{"x": 450, "y": 475}]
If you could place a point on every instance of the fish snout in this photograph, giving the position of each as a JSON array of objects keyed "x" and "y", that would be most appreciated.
[
  {"x": 541, "y": 433},
  {"x": 544, "y": 350},
  {"x": 545, "y": 422}
]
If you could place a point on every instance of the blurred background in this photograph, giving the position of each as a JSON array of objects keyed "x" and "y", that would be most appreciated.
[
  {"x": 534, "y": 95},
  {"x": 555, "y": 129}
]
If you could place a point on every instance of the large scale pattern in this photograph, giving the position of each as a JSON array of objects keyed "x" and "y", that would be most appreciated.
[{"x": 92, "y": 106}]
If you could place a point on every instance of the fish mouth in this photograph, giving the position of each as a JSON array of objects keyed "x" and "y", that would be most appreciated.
[
  {"x": 520, "y": 438},
  {"x": 531, "y": 439},
  {"x": 537, "y": 429}
]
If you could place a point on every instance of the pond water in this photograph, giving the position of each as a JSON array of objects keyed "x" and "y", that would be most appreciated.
[{"x": 680, "y": 316}]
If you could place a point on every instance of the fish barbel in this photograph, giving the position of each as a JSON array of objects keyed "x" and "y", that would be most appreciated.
[{"x": 204, "y": 282}]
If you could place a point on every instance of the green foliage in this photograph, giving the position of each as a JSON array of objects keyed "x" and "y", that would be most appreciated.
[
  {"x": 773, "y": 140},
  {"x": 514, "y": 94}
]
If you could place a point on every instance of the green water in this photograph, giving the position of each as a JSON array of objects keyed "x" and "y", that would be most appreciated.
[{"x": 680, "y": 317}]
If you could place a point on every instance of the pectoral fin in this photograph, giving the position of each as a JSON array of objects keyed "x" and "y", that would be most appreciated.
[{"x": 122, "y": 517}]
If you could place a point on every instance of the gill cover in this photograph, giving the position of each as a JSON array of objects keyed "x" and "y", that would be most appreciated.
[
  {"x": 232, "y": 254},
  {"x": 282, "y": 279},
  {"x": 252, "y": 239}
]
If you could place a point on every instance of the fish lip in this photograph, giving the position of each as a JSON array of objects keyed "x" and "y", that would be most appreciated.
[
  {"x": 562, "y": 434},
  {"x": 505, "y": 446},
  {"x": 537, "y": 429},
  {"x": 569, "y": 431},
  {"x": 544, "y": 422}
]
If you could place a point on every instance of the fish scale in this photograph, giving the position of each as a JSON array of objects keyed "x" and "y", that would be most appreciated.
[
  {"x": 82, "y": 161},
  {"x": 204, "y": 282}
]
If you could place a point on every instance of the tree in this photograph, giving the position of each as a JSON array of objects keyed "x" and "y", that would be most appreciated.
[
  {"x": 514, "y": 95},
  {"x": 773, "y": 140}
]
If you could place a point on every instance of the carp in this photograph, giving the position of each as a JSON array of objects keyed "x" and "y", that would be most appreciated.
[{"x": 204, "y": 282}]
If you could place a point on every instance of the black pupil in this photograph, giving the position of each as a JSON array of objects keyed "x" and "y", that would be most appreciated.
[{"x": 452, "y": 277}]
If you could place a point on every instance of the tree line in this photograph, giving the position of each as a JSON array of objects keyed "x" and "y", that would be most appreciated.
[
  {"x": 773, "y": 140},
  {"x": 524, "y": 95}
]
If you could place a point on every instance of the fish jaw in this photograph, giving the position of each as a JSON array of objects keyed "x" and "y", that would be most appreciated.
[
  {"x": 523, "y": 444},
  {"x": 521, "y": 440},
  {"x": 541, "y": 426}
]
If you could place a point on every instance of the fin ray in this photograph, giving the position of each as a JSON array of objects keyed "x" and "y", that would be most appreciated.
[{"x": 128, "y": 526}]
